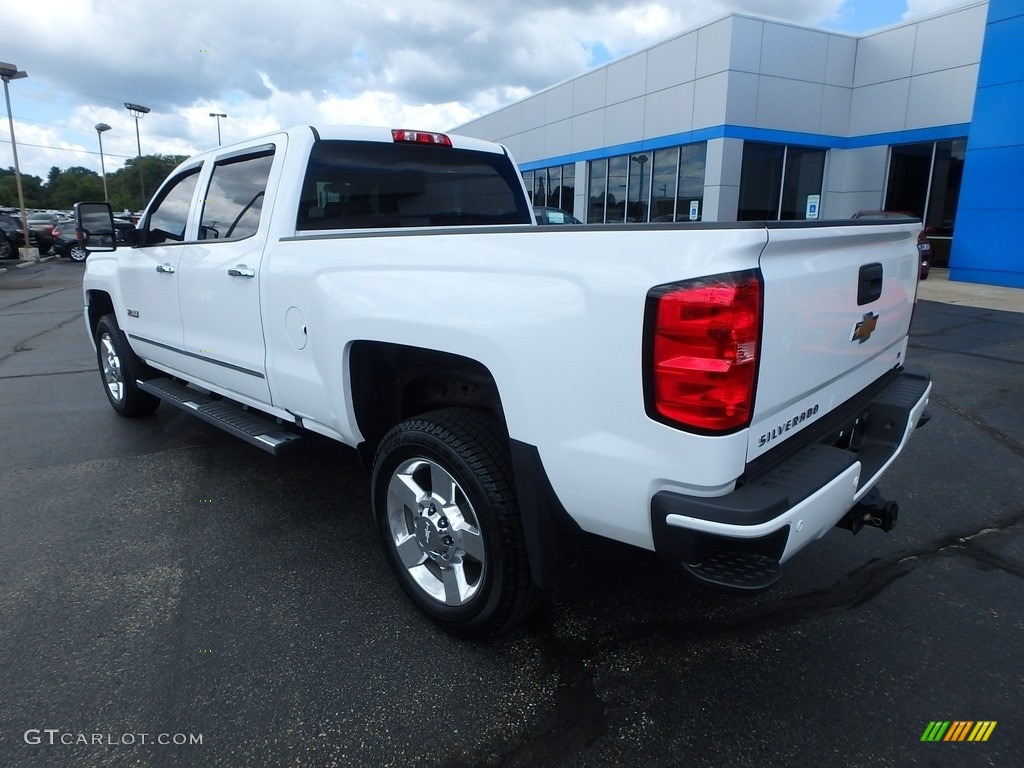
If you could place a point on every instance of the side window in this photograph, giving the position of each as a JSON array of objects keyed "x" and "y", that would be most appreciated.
[
  {"x": 234, "y": 200},
  {"x": 167, "y": 221}
]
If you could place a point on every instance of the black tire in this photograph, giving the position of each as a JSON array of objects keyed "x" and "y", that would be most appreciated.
[
  {"x": 458, "y": 549},
  {"x": 119, "y": 369},
  {"x": 76, "y": 252}
]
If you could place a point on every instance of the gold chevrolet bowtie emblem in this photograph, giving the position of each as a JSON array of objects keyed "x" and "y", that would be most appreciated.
[{"x": 862, "y": 331}]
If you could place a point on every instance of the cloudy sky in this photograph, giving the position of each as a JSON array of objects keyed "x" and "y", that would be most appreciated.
[{"x": 269, "y": 64}]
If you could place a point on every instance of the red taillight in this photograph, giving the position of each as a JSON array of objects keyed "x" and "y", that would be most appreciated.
[
  {"x": 420, "y": 137},
  {"x": 704, "y": 341}
]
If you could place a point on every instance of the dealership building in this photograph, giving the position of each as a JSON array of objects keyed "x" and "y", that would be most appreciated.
[{"x": 749, "y": 118}]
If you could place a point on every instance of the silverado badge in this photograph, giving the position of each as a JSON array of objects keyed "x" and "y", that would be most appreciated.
[{"x": 862, "y": 331}]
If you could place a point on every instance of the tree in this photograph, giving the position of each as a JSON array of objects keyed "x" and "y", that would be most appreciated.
[
  {"x": 123, "y": 184},
  {"x": 72, "y": 186},
  {"x": 32, "y": 186}
]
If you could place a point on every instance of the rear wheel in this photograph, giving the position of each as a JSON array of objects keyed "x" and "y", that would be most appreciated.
[
  {"x": 445, "y": 506},
  {"x": 119, "y": 369},
  {"x": 77, "y": 252}
]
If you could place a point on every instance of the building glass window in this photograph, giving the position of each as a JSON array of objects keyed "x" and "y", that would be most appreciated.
[
  {"x": 776, "y": 181},
  {"x": 618, "y": 176},
  {"x": 528, "y": 183},
  {"x": 555, "y": 186},
  {"x": 944, "y": 193},
  {"x": 804, "y": 171},
  {"x": 598, "y": 191},
  {"x": 760, "y": 181},
  {"x": 663, "y": 185},
  {"x": 639, "y": 194},
  {"x": 909, "y": 168},
  {"x": 664, "y": 182},
  {"x": 924, "y": 180},
  {"x": 567, "y": 189},
  {"x": 690, "y": 198}
]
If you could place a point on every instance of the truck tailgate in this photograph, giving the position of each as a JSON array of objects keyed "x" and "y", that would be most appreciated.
[{"x": 837, "y": 307}]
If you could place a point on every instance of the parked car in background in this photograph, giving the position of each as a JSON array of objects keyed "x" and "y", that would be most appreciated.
[
  {"x": 6, "y": 252},
  {"x": 547, "y": 215},
  {"x": 45, "y": 219},
  {"x": 12, "y": 229},
  {"x": 67, "y": 244},
  {"x": 65, "y": 241},
  {"x": 924, "y": 246}
]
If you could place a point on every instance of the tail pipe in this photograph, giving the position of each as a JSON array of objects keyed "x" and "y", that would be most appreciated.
[{"x": 873, "y": 511}]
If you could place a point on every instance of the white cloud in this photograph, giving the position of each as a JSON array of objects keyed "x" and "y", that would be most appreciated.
[{"x": 427, "y": 63}]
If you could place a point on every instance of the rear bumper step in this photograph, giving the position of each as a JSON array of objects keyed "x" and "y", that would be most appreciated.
[
  {"x": 745, "y": 571},
  {"x": 255, "y": 428}
]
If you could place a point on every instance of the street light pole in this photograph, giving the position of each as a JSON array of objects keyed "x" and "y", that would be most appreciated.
[
  {"x": 218, "y": 115},
  {"x": 10, "y": 72},
  {"x": 100, "y": 128},
  {"x": 137, "y": 111}
]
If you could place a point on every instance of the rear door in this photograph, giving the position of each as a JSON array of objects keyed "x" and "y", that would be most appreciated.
[
  {"x": 837, "y": 307},
  {"x": 220, "y": 273}
]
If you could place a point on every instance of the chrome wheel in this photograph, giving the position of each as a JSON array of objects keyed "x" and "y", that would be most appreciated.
[
  {"x": 112, "y": 375},
  {"x": 77, "y": 253},
  {"x": 435, "y": 532}
]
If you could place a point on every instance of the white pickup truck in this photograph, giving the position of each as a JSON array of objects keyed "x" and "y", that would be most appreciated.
[{"x": 722, "y": 394}]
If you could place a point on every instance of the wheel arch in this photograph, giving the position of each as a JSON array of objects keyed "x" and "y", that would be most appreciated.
[
  {"x": 393, "y": 382},
  {"x": 98, "y": 304}
]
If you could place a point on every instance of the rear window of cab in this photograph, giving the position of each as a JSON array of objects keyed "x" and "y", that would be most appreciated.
[{"x": 371, "y": 185}]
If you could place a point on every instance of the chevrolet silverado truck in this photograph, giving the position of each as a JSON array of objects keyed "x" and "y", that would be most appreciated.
[{"x": 720, "y": 394}]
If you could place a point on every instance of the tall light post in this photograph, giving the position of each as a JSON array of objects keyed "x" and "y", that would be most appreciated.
[
  {"x": 218, "y": 115},
  {"x": 137, "y": 111},
  {"x": 10, "y": 72},
  {"x": 100, "y": 128}
]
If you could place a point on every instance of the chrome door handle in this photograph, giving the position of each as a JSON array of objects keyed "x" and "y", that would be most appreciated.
[
  {"x": 165, "y": 269},
  {"x": 241, "y": 271}
]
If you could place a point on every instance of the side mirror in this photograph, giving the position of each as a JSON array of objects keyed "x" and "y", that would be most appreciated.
[{"x": 95, "y": 224}]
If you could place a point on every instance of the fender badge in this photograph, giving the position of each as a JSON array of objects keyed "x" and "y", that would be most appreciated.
[
  {"x": 862, "y": 331},
  {"x": 133, "y": 313}
]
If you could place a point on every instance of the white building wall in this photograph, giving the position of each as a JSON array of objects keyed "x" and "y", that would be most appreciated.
[{"x": 743, "y": 73}]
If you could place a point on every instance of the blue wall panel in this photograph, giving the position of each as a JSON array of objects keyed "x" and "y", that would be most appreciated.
[{"x": 990, "y": 216}]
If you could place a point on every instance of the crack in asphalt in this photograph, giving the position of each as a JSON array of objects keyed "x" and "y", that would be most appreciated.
[
  {"x": 90, "y": 369},
  {"x": 21, "y": 345},
  {"x": 1014, "y": 445},
  {"x": 580, "y": 715},
  {"x": 981, "y": 321},
  {"x": 978, "y": 355},
  {"x": 35, "y": 298}
]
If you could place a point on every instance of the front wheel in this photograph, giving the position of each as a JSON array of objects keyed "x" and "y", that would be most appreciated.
[
  {"x": 445, "y": 506},
  {"x": 120, "y": 369}
]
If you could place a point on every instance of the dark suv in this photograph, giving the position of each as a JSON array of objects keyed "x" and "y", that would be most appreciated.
[{"x": 11, "y": 227}]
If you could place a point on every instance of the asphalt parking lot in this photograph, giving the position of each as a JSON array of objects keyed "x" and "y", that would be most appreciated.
[{"x": 163, "y": 582}]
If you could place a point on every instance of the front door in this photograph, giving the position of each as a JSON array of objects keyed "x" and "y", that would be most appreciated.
[{"x": 149, "y": 275}]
